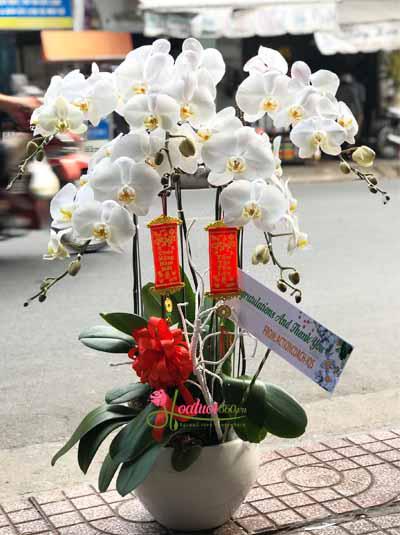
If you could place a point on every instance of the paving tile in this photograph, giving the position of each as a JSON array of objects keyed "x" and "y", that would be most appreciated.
[
  {"x": 80, "y": 529},
  {"x": 268, "y": 455},
  {"x": 24, "y": 516},
  {"x": 255, "y": 523},
  {"x": 113, "y": 496},
  {"x": 336, "y": 443},
  {"x": 56, "y": 508},
  {"x": 303, "y": 460},
  {"x": 230, "y": 528},
  {"x": 78, "y": 491},
  {"x": 313, "y": 476},
  {"x": 96, "y": 513},
  {"x": 341, "y": 506},
  {"x": 296, "y": 500},
  {"x": 269, "y": 505},
  {"x": 282, "y": 518},
  {"x": 29, "y": 528},
  {"x": 313, "y": 512},
  {"x": 66, "y": 519},
  {"x": 3, "y": 521},
  {"x": 133, "y": 510},
  {"x": 342, "y": 464},
  {"x": 290, "y": 452},
  {"x": 387, "y": 521},
  {"x": 245, "y": 510},
  {"x": 327, "y": 455},
  {"x": 386, "y": 479},
  {"x": 391, "y": 455},
  {"x": 361, "y": 439},
  {"x": 281, "y": 489},
  {"x": 359, "y": 527},
  {"x": 87, "y": 501},
  {"x": 49, "y": 496},
  {"x": 117, "y": 526},
  {"x": 355, "y": 482},
  {"x": 273, "y": 471},
  {"x": 312, "y": 448},
  {"x": 350, "y": 451},
  {"x": 7, "y": 530},
  {"x": 376, "y": 447},
  {"x": 383, "y": 435},
  {"x": 368, "y": 460},
  {"x": 15, "y": 505},
  {"x": 257, "y": 493},
  {"x": 323, "y": 495}
]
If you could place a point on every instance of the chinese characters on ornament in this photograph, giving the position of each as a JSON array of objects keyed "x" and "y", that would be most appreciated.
[{"x": 223, "y": 259}]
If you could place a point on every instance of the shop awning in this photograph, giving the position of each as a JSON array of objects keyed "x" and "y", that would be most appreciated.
[{"x": 85, "y": 46}]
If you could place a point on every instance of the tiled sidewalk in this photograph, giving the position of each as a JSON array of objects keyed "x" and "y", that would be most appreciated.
[{"x": 346, "y": 486}]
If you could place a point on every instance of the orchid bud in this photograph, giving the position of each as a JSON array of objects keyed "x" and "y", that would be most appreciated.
[
  {"x": 281, "y": 286},
  {"x": 345, "y": 168},
  {"x": 159, "y": 158},
  {"x": 298, "y": 298},
  {"x": 294, "y": 277},
  {"x": 74, "y": 267},
  {"x": 42, "y": 298},
  {"x": 261, "y": 255},
  {"x": 373, "y": 181},
  {"x": 40, "y": 156},
  {"x": 187, "y": 148},
  {"x": 364, "y": 156},
  {"x": 31, "y": 148}
]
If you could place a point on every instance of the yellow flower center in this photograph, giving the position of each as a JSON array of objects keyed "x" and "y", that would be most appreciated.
[
  {"x": 302, "y": 242},
  {"x": 318, "y": 138},
  {"x": 293, "y": 205},
  {"x": 84, "y": 106},
  {"x": 67, "y": 214},
  {"x": 346, "y": 123},
  {"x": 151, "y": 162},
  {"x": 236, "y": 165},
  {"x": 101, "y": 232},
  {"x": 186, "y": 112},
  {"x": 251, "y": 211},
  {"x": 126, "y": 195},
  {"x": 270, "y": 104},
  {"x": 296, "y": 113},
  {"x": 139, "y": 89},
  {"x": 82, "y": 181},
  {"x": 151, "y": 122},
  {"x": 62, "y": 126},
  {"x": 205, "y": 134}
]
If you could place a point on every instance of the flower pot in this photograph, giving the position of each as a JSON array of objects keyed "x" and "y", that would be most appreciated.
[{"x": 206, "y": 494}]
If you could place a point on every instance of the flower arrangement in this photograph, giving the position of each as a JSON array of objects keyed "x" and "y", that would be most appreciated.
[{"x": 186, "y": 345}]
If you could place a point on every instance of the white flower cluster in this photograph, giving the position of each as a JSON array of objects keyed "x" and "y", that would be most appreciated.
[{"x": 174, "y": 127}]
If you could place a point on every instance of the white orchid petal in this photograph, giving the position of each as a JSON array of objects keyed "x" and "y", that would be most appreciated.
[
  {"x": 301, "y": 72},
  {"x": 325, "y": 81}
]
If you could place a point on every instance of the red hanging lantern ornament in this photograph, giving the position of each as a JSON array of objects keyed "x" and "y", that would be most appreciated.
[
  {"x": 164, "y": 241},
  {"x": 223, "y": 259}
]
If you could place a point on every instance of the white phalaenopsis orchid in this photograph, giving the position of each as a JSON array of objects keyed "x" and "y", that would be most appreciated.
[
  {"x": 241, "y": 154},
  {"x": 224, "y": 121},
  {"x": 324, "y": 81},
  {"x": 66, "y": 201},
  {"x": 107, "y": 221},
  {"x": 263, "y": 93},
  {"x": 347, "y": 120},
  {"x": 58, "y": 117},
  {"x": 133, "y": 185},
  {"x": 141, "y": 146},
  {"x": 207, "y": 63},
  {"x": 55, "y": 247},
  {"x": 298, "y": 239},
  {"x": 316, "y": 134},
  {"x": 267, "y": 59},
  {"x": 149, "y": 112},
  {"x": 145, "y": 68},
  {"x": 257, "y": 201}
]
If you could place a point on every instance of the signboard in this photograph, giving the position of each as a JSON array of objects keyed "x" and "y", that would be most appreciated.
[
  {"x": 302, "y": 341},
  {"x": 35, "y": 14}
]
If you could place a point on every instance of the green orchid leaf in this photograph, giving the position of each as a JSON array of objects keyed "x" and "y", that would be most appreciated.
[
  {"x": 127, "y": 393},
  {"x": 124, "y": 322},
  {"x": 182, "y": 458},
  {"x": 249, "y": 431},
  {"x": 151, "y": 302},
  {"x": 90, "y": 443},
  {"x": 107, "y": 471},
  {"x": 134, "y": 438},
  {"x": 134, "y": 473},
  {"x": 106, "y": 338},
  {"x": 96, "y": 417}
]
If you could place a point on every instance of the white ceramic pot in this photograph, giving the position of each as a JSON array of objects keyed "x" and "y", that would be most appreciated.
[{"x": 206, "y": 494}]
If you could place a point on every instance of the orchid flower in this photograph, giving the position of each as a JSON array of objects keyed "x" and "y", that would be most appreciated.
[
  {"x": 149, "y": 112},
  {"x": 316, "y": 134},
  {"x": 58, "y": 117},
  {"x": 298, "y": 239},
  {"x": 347, "y": 120},
  {"x": 72, "y": 86},
  {"x": 224, "y": 121},
  {"x": 144, "y": 69},
  {"x": 323, "y": 81},
  {"x": 184, "y": 149},
  {"x": 266, "y": 60},
  {"x": 104, "y": 221},
  {"x": 55, "y": 247},
  {"x": 241, "y": 154},
  {"x": 208, "y": 62},
  {"x": 262, "y": 93},
  {"x": 66, "y": 201},
  {"x": 133, "y": 185},
  {"x": 141, "y": 146},
  {"x": 257, "y": 201}
]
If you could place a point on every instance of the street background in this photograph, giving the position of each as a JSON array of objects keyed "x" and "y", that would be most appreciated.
[{"x": 350, "y": 280}]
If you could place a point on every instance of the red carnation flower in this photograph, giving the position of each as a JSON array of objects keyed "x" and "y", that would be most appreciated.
[{"x": 161, "y": 357}]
